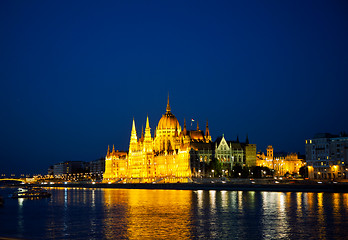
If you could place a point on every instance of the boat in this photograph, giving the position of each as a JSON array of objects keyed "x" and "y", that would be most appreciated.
[{"x": 31, "y": 192}]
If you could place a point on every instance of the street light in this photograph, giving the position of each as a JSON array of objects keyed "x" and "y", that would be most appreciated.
[{"x": 213, "y": 172}]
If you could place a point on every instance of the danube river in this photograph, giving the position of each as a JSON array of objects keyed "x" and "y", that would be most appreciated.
[{"x": 77, "y": 213}]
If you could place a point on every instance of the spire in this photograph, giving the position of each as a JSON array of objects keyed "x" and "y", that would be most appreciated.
[
  {"x": 148, "y": 140},
  {"x": 237, "y": 139},
  {"x": 168, "y": 106},
  {"x": 197, "y": 126},
  {"x": 185, "y": 130},
  {"x": 133, "y": 139},
  {"x": 147, "y": 122},
  {"x": 134, "y": 133},
  {"x": 133, "y": 126},
  {"x": 247, "y": 139},
  {"x": 147, "y": 130},
  {"x": 142, "y": 133},
  {"x": 108, "y": 153},
  {"x": 113, "y": 148},
  {"x": 207, "y": 130}
]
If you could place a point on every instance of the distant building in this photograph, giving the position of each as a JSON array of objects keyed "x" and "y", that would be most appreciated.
[
  {"x": 97, "y": 168},
  {"x": 281, "y": 163},
  {"x": 230, "y": 153},
  {"x": 327, "y": 156},
  {"x": 70, "y": 167}
]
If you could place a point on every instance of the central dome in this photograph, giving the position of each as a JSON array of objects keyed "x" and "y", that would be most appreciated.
[{"x": 168, "y": 120}]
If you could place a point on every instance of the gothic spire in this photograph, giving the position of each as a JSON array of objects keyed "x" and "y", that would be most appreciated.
[
  {"x": 185, "y": 130},
  {"x": 147, "y": 122},
  {"x": 147, "y": 130},
  {"x": 207, "y": 130},
  {"x": 142, "y": 133},
  {"x": 113, "y": 148},
  {"x": 247, "y": 139},
  {"x": 108, "y": 153},
  {"x": 168, "y": 106},
  {"x": 197, "y": 126},
  {"x": 133, "y": 133}
]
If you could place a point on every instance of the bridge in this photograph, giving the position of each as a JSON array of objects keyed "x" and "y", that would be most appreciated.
[{"x": 23, "y": 180}]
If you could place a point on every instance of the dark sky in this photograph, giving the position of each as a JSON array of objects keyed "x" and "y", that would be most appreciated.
[{"x": 75, "y": 73}]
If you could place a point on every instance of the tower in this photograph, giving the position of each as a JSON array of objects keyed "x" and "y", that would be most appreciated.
[
  {"x": 269, "y": 152},
  {"x": 147, "y": 138},
  {"x": 134, "y": 139},
  {"x": 207, "y": 134}
]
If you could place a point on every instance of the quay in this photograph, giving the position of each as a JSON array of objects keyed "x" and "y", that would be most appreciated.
[{"x": 246, "y": 185}]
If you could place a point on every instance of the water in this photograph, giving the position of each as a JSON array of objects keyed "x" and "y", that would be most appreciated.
[{"x": 175, "y": 214}]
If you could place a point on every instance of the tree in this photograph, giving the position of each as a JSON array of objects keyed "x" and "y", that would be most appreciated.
[
  {"x": 304, "y": 171},
  {"x": 216, "y": 166}
]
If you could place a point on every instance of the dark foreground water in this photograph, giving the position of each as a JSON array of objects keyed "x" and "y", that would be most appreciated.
[{"x": 175, "y": 214}]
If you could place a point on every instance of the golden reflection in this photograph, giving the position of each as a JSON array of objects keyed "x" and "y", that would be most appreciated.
[
  {"x": 321, "y": 218},
  {"x": 299, "y": 203},
  {"x": 149, "y": 213},
  {"x": 274, "y": 205},
  {"x": 336, "y": 202}
]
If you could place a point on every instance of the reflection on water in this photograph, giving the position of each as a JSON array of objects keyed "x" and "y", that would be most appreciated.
[
  {"x": 150, "y": 213},
  {"x": 171, "y": 214}
]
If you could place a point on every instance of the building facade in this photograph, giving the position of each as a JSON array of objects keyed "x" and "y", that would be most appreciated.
[
  {"x": 327, "y": 156},
  {"x": 69, "y": 167},
  {"x": 172, "y": 155},
  {"x": 230, "y": 153},
  {"x": 281, "y": 163}
]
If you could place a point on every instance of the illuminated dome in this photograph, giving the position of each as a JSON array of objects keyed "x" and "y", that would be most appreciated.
[{"x": 168, "y": 120}]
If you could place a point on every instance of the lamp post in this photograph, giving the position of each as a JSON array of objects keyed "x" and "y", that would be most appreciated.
[{"x": 213, "y": 172}]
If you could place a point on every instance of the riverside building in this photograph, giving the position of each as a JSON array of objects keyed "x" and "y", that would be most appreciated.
[
  {"x": 174, "y": 154},
  {"x": 327, "y": 156},
  {"x": 281, "y": 163},
  {"x": 230, "y": 153}
]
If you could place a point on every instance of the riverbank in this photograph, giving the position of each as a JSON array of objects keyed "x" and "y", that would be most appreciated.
[{"x": 228, "y": 186}]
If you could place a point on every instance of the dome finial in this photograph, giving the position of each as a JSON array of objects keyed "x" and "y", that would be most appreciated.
[{"x": 168, "y": 106}]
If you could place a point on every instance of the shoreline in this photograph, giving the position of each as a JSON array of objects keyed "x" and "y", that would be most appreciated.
[{"x": 279, "y": 187}]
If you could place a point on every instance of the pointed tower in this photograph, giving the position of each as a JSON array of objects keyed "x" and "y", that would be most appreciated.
[
  {"x": 108, "y": 153},
  {"x": 168, "y": 106},
  {"x": 185, "y": 130},
  {"x": 237, "y": 139},
  {"x": 142, "y": 134},
  {"x": 247, "y": 139},
  {"x": 113, "y": 148},
  {"x": 207, "y": 134},
  {"x": 197, "y": 126},
  {"x": 134, "y": 139},
  {"x": 147, "y": 139}
]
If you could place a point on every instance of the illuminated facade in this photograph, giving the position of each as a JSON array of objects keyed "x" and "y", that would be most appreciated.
[
  {"x": 162, "y": 158},
  {"x": 281, "y": 163},
  {"x": 231, "y": 153},
  {"x": 327, "y": 156}
]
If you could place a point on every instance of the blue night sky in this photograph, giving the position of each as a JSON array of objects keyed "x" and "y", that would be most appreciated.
[{"x": 75, "y": 73}]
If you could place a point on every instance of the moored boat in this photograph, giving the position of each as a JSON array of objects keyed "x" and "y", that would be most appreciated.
[{"x": 31, "y": 192}]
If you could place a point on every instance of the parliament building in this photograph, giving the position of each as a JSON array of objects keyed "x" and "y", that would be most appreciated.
[{"x": 173, "y": 154}]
